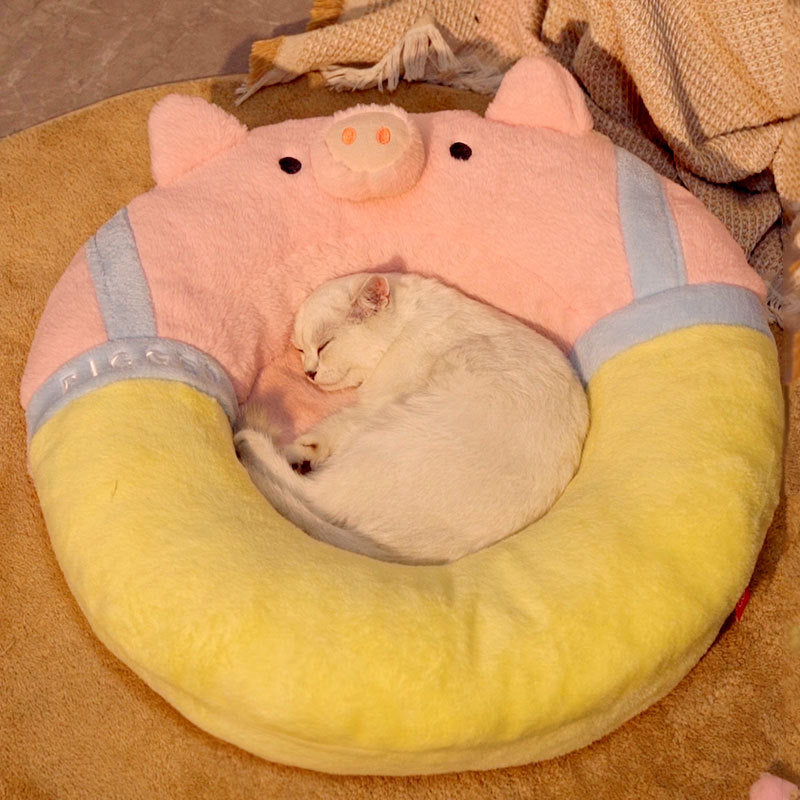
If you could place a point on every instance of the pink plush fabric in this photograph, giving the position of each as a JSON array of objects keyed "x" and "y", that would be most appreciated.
[
  {"x": 542, "y": 95},
  {"x": 770, "y": 787},
  {"x": 71, "y": 324},
  {"x": 186, "y": 132},
  {"x": 710, "y": 252},
  {"x": 368, "y": 151},
  {"x": 227, "y": 249},
  {"x": 231, "y": 242}
]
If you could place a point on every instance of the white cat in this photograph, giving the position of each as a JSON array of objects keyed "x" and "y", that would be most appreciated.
[{"x": 467, "y": 427}]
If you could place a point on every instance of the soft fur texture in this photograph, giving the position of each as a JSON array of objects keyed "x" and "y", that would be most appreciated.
[
  {"x": 311, "y": 655},
  {"x": 771, "y": 787},
  {"x": 77, "y": 723},
  {"x": 184, "y": 132},
  {"x": 203, "y": 238},
  {"x": 364, "y": 166},
  {"x": 557, "y": 102},
  {"x": 481, "y": 419},
  {"x": 700, "y": 93}
]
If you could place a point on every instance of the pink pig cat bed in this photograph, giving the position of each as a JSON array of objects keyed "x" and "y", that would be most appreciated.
[{"x": 305, "y": 654}]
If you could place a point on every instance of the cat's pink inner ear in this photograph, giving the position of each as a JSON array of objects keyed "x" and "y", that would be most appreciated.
[
  {"x": 539, "y": 93},
  {"x": 187, "y": 131},
  {"x": 372, "y": 297}
]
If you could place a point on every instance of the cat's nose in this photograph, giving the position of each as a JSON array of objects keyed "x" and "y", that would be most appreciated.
[
  {"x": 368, "y": 152},
  {"x": 310, "y": 374}
]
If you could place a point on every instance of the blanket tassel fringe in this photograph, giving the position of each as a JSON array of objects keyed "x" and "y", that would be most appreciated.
[{"x": 422, "y": 54}]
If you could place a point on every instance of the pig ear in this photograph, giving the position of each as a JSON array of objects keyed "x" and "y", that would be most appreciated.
[
  {"x": 540, "y": 93},
  {"x": 186, "y": 131},
  {"x": 372, "y": 297}
]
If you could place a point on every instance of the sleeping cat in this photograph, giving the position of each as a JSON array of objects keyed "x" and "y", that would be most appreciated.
[{"x": 467, "y": 427}]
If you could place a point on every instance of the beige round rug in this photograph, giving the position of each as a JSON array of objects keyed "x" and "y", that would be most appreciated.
[{"x": 76, "y": 723}]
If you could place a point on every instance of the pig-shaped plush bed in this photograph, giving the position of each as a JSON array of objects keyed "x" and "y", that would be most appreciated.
[{"x": 314, "y": 656}]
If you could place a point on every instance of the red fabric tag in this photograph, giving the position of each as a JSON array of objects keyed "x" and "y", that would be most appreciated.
[{"x": 742, "y": 605}]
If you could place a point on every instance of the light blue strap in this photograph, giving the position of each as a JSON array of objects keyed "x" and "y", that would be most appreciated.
[
  {"x": 119, "y": 280},
  {"x": 663, "y": 301},
  {"x": 124, "y": 359},
  {"x": 652, "y": 245},
  {"x": 134, "y": 349},
  {"x": 665, "y": 312}
]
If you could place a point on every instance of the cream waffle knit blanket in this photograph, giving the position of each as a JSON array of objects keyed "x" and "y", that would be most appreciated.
[{"x": 706, "y": 91}]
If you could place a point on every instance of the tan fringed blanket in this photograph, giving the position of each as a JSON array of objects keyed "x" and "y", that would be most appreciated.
[{"x": 708, "y": 93}]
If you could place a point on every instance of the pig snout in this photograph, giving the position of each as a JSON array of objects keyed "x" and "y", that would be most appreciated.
[{"x": 369, "y": 152}]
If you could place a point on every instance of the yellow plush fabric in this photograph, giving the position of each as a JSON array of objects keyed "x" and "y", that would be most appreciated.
[{"x": 313, "y": 656}]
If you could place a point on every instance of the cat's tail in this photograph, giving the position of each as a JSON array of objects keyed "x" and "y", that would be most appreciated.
[{"x": 284, "y": 489}]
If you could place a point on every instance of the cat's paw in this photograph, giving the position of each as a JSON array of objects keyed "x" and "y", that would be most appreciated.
[{"x": 307, "y": 452}]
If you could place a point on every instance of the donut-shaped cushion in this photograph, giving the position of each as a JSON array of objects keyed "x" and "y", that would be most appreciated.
[{"x": 317, "y": 657}]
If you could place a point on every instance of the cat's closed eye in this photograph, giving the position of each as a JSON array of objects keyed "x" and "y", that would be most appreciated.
[{"x": 319, "y": 349}]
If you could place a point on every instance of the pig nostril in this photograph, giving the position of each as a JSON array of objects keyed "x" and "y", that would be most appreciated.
[
  {"x": 383, "y": 135},
  {"x": 348, "y": 135}
]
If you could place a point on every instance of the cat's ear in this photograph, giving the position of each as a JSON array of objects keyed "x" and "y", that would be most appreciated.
[{"x": 372, "y": 297}]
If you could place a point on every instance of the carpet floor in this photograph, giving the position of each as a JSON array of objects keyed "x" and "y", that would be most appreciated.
[{"x": 76, "y": 723}]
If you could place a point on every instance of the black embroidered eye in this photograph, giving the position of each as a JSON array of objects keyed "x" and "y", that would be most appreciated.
[
  {"x": 290, "y": 165},
  {"x": 460, "y": 151}
]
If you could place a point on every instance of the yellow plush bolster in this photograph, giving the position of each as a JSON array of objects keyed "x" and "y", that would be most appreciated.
[{"x": 313, "y": 656}]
